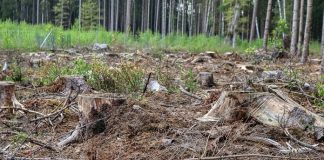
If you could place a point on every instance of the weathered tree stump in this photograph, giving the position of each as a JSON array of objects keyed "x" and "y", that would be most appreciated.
[
  {"x": 272, "y": 109},
  {"x": 206, "y": 79},
  {"x": 94, "y": 109},
  {"x": 7, "y": 94}
]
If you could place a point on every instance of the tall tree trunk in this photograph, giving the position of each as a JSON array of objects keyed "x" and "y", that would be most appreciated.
[
  {"x": 134, "y": 17},
  {"x": 267, "y": 25},
  {"x": 178, "y": 18},
  {"x": 300, "y": 28},
  {"x": 117, "y": 15},
  {"x": 128, "y": 15},
  {"x": 37, "y": 12},
  {"x": 223, "y": 22},
  {"x": 80, "y": 13},
  {"x": 99, "y": 13},
  {"x": 257, "y": 28},
  {"x": 148, "y": 14},
  {"x": 235, "y": 23},
  {"x": 280, "y": 9},
  {"x": 163, "y": 18},
  {"x": 284, "y": 9},
  {"x": 307, "y": 31},
  {"x": 33, "y": 13},
  {"x": 255, "y": 10},
  {"x": 293, "y": 44},
  {"x": 157, "y": 15},
  {"x": 104, "y": 13},
  {"x": 170, "y": 23},
  {"x": 322, "y": 47},
  {"x": 112, "y": 7},
  {"x": 183, "y": 18}
]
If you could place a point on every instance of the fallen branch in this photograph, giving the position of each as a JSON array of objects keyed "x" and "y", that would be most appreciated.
[
  {"x": 271, "y": 142},
  {"x": 302, "y": 143},
  {"x": 25, "y": 110},
  {"x": 251, "y": 155},
  {"x": 65, "y": 106},
  {"x": 189, "y": 94},
  {"x": 34, "y": 141}
]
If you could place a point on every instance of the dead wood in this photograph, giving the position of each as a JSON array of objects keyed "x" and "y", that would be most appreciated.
[
  {"x": 93, "y": 108},
  {"x": 272, "y": 109},
  {"x": 206, "y": 79},
  {"x": 250, "y": 156},
  {"x": 189, "y": 94}
]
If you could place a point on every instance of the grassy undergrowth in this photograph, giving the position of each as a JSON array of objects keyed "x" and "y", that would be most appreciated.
[{"x": 28, "y": 37}]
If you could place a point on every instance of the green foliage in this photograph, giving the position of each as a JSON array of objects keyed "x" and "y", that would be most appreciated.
[
  {"x": 63, "y": 9},
  {"x": 20, "y": 137},
  {"x": 16, "y": 75},
  {"x": 50, "y": 72},
  {"x": 189, "y": 78},
  {"x": 281, "y": 29},
  {"x": 89, "y": 16}
]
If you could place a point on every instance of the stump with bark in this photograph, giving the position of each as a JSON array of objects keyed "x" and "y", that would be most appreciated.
[
  {"x": 7, "y": 94},
  {"x": 206, "y": 79},
  {"x": 272, "y": 108},
  {"x": 94, "y": 109}
]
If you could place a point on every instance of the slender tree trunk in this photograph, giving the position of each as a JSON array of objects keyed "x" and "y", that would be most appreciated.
[
  {"x": 80, "y": 13},
  {"x": 300, "y": 28},
  {"x": 280, "y": 9},
  {"x": 33, "y": 13},
  {"x": 267, "y": 25},
  {"x": 293, "y": 44},
  {"x": 134, "y": 17},
  {"x": 223, "y": 22},
  {"x": 104, "y": 14},
  {"x": 163, "y": 18},
  {"x": 322, "y": 47},
  {"x": 112, "y": 7},
  {"x": 235, "y": 23},
  {"x": 255, "y": 10},
  {"x": 37, "y": 12},
  {"x": 257, "y": 28},
  {"x": 284, "y": 9},
  {"x": 117, "y": 15},
  {"x": 170, "y": 16},
  {"x": 307, "y": 31},
  {"x": 128, "y": 15},
  {"x": 157, "y": 15},
  {"x": 99, "y": 12},
  {"x": 148, "y": 14},
  {"x": 183, "y": 18},
  {"x": 178, "y": 18}
]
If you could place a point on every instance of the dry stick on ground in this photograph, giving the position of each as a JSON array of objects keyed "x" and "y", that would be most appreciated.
[
  {"x": 25, "y": 110},
  {"x": 189, "y": 94},
  {"x": 65, "y": 106},
  {"x": 302, "y": 143},
  {"x": 251, "y": 155},
  {"x": 34, "y": 141},
  {"x": 147, "y": 82},
  {"x": 271, "y": 142}
]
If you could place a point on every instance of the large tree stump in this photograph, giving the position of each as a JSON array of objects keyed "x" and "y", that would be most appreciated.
[
  {"x": 272, "y": 109},
  {"x": 7, "y": 94},
  {"x": 94, "y": 109}
]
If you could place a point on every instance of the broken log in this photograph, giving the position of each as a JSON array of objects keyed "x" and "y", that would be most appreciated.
[
  {"x": 94, "y": 109},
  {"x": 206, "y": 79},
  {"x": 272, "y": 109},
  {"x": 7, "y": 94}
]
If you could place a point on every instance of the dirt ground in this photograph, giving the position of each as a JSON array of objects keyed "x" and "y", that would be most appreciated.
[{"x": 160, "y": 125}]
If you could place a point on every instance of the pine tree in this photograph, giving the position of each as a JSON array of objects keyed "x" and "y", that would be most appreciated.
[
  {"x": 63, "y": 10},
  {"x": 89, "y": 17}
]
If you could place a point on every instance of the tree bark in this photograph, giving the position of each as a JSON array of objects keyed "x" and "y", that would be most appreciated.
[
  {"x": 157, "y": 15},
  {"x": 7, "y": 94},
  {"x": 104, "y": 14},
  {"x": 267, "y": 25},
  {"x": 293, "y": 44},
  {"x": 322, "y": 48},
  {"x": 117, "y": 15},
  {"x": 255, "y": 11},
  {"x": 300, "y": 28},
  {"x": 80, "y": 13},
  {"x": 128, "y": 16},
  {"x": 307, "y": 31},
  {"x": 112, "y": 7},
  {"x": 163, "y": 18},
  {"x": 94, "y": 109},
  {"x": 235, "y": 23}
]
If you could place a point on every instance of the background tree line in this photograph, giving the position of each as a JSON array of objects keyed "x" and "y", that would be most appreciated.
[{"x": 232, "y": 19}]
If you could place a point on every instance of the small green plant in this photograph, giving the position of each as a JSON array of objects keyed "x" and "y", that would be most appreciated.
[
  {"x": 20, "y": 137},
  {"x": 277, "y": 34},
  {"x": 189, "y": 78},
  {"x": 250, "y": 50},
  {"x": 50, "y": 72},
  {"x": 17, "y": 73}
]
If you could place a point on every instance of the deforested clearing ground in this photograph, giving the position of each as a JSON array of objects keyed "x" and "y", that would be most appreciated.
[{"x": 157, "y": 118}]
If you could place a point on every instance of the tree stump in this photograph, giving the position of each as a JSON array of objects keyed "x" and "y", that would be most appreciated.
[
  {"x": 94, "y": 109},
  {"x": 7, "y": 95},
  {"x": 206, "y": 79}
]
